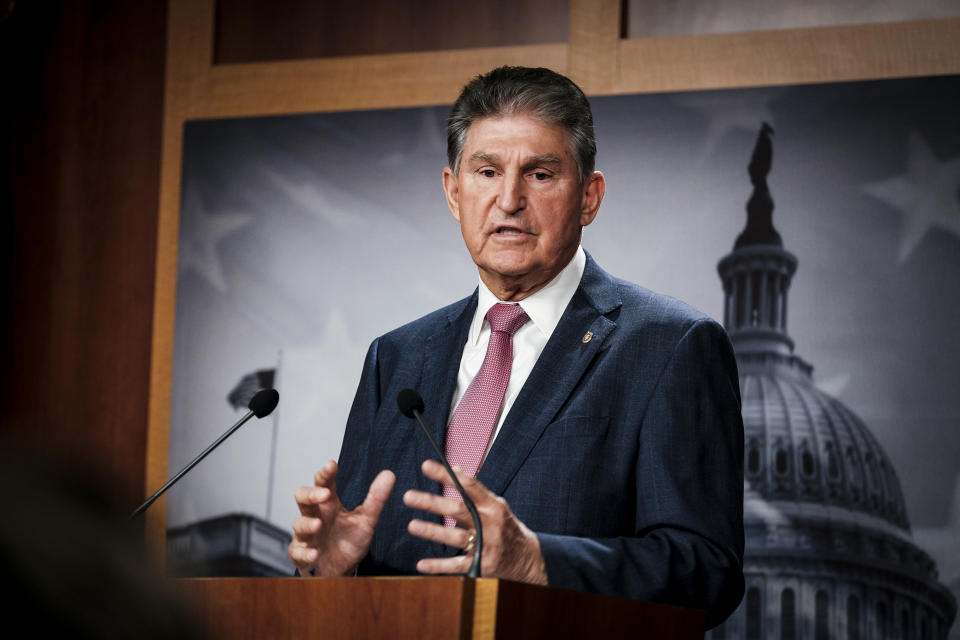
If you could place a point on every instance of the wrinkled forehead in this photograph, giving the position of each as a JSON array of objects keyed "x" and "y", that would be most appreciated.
[{"x": 509, "y": 129}]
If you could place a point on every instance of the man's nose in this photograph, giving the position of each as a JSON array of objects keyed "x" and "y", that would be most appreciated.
[{"x": 511, "y": 197}]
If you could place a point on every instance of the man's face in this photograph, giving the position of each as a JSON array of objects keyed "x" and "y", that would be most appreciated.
[{"x": 519, "y": 202}]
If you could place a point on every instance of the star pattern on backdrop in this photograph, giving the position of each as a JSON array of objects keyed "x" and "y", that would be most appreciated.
[
  {"x": 834, "y": 385},
  {"x": 429, "y": 144},
  {"x": 201, "y": 236},
  {"x": 313, "y": 195},
  {"x": 311, "y": 398},
  {"x": 928, "y": 195},
  {"x": 728, "y": 111}
]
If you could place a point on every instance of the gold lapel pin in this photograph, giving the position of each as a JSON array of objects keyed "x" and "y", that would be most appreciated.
[{"x": 587, "y": 337}]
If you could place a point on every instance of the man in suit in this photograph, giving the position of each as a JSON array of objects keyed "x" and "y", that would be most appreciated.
[{"x": 596, "y": 424}]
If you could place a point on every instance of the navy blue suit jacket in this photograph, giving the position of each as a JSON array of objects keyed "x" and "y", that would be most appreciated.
[{"x": 623, "y": 452}]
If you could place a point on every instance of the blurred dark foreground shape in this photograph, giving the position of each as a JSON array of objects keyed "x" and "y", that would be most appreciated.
[{"x": 71, "y": 564}]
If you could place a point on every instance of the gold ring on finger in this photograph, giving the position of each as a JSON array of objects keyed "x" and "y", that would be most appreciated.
[{"x": 471, "y": 542}]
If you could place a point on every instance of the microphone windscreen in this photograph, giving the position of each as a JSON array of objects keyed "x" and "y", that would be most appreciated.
[
  {"x": 409, "y": 401},
  {"x": 264, "y": 402}
]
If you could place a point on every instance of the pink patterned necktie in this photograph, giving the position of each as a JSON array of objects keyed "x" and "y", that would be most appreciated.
[{"x": 476, "y": 415}]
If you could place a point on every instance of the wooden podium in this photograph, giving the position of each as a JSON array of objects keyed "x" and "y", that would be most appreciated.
[{"x": 425, "y": 608}]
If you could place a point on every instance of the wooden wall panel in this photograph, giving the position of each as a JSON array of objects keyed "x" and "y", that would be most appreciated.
[
  {"x": 83, "y": 99},
  {"x": 256, "y": 31},
  {"x": 595, "y": 27},
  {"x": 794, "y": 56}
]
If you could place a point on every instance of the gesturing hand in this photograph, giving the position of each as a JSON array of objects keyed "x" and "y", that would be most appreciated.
[
  {"x": 510, "y": 549},
  {"x": 328, "y": 539}
]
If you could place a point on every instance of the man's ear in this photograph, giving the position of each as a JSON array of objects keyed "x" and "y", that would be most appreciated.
[
  {"x": 591, "y": 196},
  {"x": 451, "y": 187}
]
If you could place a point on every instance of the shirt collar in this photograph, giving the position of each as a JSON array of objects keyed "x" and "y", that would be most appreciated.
[{"x": 545, "y": 307}]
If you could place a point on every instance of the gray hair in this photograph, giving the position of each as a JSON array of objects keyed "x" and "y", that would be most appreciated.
[{"x": 542, "y": 93}]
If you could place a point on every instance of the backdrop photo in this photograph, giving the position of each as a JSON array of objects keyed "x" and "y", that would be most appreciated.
[{"x": 304, "y": 237}]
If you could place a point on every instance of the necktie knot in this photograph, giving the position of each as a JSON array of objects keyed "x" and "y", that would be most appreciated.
[{"x": 507, "y": 318}]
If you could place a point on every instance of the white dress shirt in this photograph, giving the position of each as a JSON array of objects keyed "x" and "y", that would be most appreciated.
[{"x": 544, "y": 309}]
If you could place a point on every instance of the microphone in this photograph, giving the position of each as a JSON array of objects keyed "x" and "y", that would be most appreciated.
[
  {"x": 261, "y": 405},
  {"x": 411, "y": 405}
]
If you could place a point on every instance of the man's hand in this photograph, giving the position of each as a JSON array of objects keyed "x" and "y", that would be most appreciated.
[
  {"x": 510, "y": 549},
  {"x": 328, "y": 540}
]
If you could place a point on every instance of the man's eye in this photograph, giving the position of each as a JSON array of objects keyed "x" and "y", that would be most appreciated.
[
  {"x": 540, "y": 175},
  {"x": 488, "y": 173}
]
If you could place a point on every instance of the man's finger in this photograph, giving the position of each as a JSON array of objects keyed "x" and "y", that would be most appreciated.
[
  {"x": 327, "y": 476},
  {"x": 308, "y": 499},
  {"x": 380, "y": 490},
  {"x": 305, "y": 502},
  {"x": 311, "y": 495},
  {"x": 437, "y": 504},
  {"x": 436, "y": 471},
  {"x": 454, "y": 565},
  {"x": 305, "y": 526},
  {"x": 302, "y": 557},
  {"x": 450, "y": 536}
]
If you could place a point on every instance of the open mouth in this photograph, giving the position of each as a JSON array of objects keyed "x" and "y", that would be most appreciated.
[{"x": 510, "y": 231}]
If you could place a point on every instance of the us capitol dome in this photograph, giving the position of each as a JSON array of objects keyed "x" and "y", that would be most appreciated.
[{"x": 829, "y": 553}]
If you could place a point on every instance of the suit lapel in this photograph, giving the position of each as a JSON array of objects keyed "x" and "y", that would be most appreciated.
[
  {"x": 441, "y": 363},
  {"x": 555, "y": 375}
]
